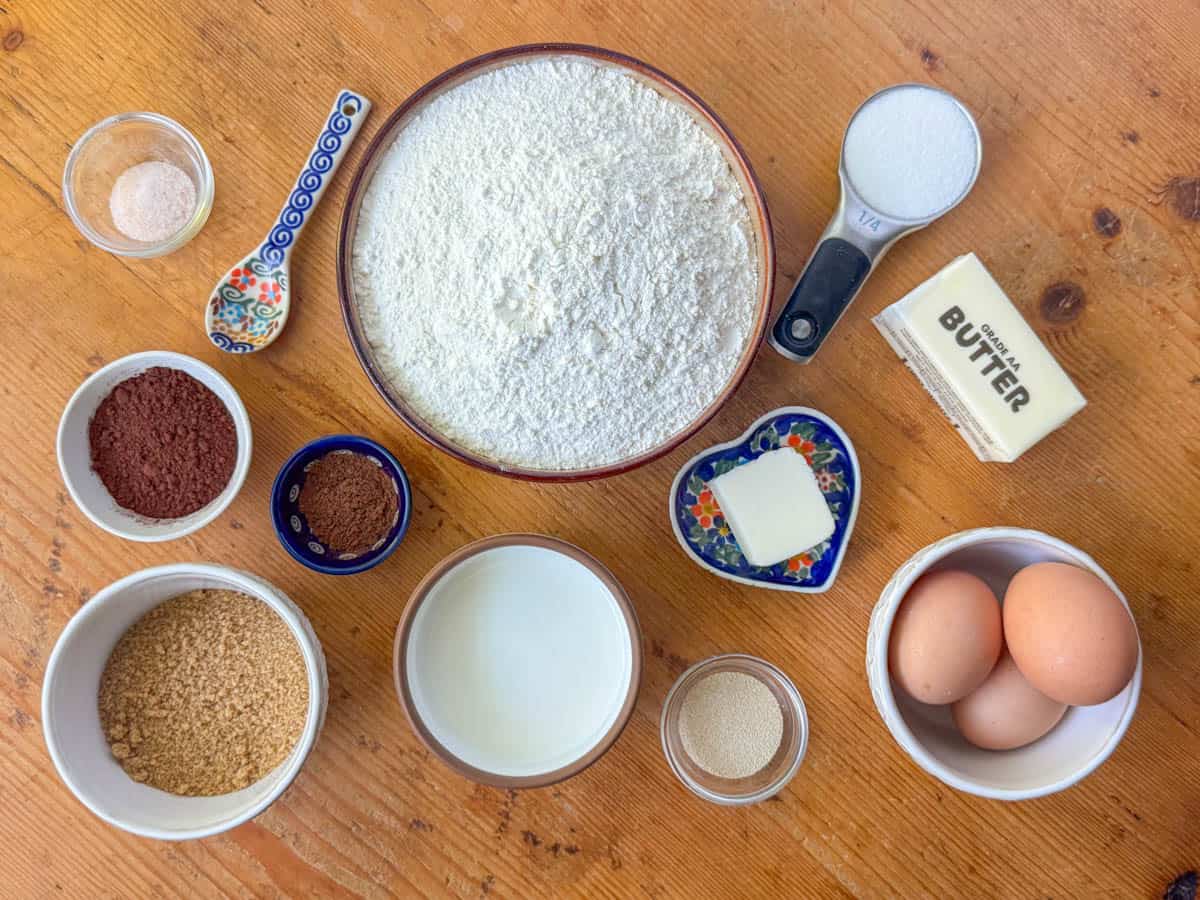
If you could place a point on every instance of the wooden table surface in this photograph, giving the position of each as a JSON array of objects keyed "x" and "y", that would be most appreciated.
[{"x": 1087, "y": 212}]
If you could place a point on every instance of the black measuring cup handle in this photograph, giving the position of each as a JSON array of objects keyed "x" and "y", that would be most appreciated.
[{"x": 831, "y": 278}]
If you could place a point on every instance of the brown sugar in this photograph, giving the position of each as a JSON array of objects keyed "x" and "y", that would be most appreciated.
[{"x": 205, "y": 694}]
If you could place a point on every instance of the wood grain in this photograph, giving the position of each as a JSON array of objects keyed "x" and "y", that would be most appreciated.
[{"x": 1082, "y": 107}]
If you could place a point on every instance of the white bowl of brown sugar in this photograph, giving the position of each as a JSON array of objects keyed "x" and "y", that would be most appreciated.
[
  {"x": 154, "y": 445},
  {"x": 182, "y": 700}
]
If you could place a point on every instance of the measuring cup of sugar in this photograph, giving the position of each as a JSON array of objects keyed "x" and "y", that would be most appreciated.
[{"x": 911, "y": 153}]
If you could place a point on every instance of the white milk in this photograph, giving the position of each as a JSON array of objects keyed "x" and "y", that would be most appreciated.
[
  {"x": 910, "y": 152},
  {"x": 519, "y": 660}
]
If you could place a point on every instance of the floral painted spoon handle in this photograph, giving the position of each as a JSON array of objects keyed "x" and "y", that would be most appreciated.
[{"x": 249, "y": 305}]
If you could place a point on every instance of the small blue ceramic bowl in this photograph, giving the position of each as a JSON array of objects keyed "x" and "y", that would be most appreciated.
[{"x": 292, "y": 529}]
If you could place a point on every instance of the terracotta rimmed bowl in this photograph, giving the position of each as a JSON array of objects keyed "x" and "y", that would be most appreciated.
[
  {"x": 739, "y": 165},
  {"x": 517, "y": 660}
]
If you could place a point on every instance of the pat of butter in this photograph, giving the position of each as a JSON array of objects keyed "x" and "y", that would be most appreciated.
[
  {"x": 972, "y": 350},
  {"x": 774, "y": 506}
]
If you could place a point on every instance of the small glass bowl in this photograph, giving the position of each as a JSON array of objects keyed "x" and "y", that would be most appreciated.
[
  {"x": 767, "y": 781},
  {"x": 110, "y": 147}
]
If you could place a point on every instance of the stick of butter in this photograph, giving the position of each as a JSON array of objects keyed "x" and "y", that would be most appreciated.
[
  {"x": 991, "y": 375},
  {"x": 774, "y": 506}
]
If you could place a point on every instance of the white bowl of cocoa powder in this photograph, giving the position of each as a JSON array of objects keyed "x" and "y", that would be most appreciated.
[
  {"x": 75, "y": 715},
  {"x": 154, "y": 445}
]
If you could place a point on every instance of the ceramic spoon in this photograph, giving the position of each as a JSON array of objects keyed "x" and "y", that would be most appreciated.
[{"x": 249, "y": 305}]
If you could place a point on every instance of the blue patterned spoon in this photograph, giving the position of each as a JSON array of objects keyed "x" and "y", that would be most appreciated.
[{"x": 249, "y": 305}]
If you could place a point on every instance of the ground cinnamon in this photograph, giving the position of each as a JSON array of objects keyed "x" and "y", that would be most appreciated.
[{"x": 350, "y": 503}]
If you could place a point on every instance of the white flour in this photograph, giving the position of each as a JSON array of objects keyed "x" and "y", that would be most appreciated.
[{"x": 554, "y": 266}]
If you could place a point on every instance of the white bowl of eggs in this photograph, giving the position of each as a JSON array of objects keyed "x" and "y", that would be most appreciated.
[{"x": 1005, "y": 662}]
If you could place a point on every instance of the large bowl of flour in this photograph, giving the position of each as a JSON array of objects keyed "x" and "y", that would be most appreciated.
[{"x": 555, "y": 262}]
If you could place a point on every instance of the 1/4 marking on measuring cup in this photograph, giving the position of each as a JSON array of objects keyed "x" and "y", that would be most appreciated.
[{"x": 866, "y": 220}]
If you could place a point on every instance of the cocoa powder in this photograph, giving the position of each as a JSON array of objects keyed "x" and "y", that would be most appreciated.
[
  {"x": 350, "y": 502},
  {"x": 163, "y": 444}
]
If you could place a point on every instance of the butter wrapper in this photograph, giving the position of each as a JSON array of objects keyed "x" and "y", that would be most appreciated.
[{"x": 979, "y": 359}]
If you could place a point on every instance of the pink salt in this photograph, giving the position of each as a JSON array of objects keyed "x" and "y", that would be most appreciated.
[{"x": 152, "y": 201}]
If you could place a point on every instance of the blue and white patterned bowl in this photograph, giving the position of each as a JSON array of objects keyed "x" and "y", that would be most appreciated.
[
  {"x": 705, "y": 535},
  {"x": 291, "y": 527}
]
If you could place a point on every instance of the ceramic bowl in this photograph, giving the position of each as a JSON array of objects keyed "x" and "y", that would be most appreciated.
[
  {"x": 71, "y": 718},
  {"x": 109, "y": 148},
  {"x": 1085, "y": 737},
  {"x": 517, "y": 660},
  {"x": 291, "y": 527},
  {"x": 74, "y": 448},
  {"x": 705, "y": 536},
  {"x": 739, "y": 166},
  {"x": 772, "y": 778}
]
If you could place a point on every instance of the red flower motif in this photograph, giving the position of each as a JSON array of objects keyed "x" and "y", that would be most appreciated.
[
  {"x": 705, "y": 509},
  {"x": 794, "y": 564},
  {"x": 805, "y": 447},
  {"x": 269, "y": 292},
  {"x": 242, "y": 279}
]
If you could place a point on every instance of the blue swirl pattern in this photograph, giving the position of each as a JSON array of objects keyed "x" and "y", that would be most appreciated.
[
  {"x": 310, "y": 181},
  {"x": 228, "y": 344}
]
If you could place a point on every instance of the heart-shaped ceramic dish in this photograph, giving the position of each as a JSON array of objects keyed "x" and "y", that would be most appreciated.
[{"x": 705, "y": 536}]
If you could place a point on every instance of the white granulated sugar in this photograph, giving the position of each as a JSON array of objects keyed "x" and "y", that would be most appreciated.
[
  {"x": 910, "y": 152},
  {"x": 554, "y": 266},
  {"x": 152, "y": 201}
]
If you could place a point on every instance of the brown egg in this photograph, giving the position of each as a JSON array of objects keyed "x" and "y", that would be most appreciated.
[
  {"x": 1006, "y": 711},
  {"x": 1070, "y": 635},
  {"x": 946, "y": 637}
]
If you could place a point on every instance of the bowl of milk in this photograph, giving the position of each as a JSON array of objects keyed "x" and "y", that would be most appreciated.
[{"x": 517, "y": 660}]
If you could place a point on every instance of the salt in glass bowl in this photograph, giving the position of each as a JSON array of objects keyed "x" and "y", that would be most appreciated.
[
  {"x": 109, "y": 148},
  {"x": 767, "y": 781}
]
